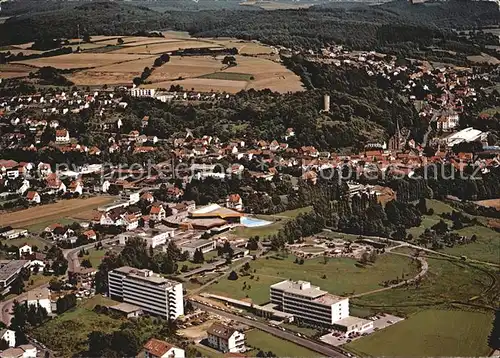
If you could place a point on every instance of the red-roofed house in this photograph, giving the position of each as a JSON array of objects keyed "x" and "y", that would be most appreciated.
[
  {"x": 62, "y": 136},
  {"x": 155, "y": 348},
  {"x": 233, "y": 201},
  {"x": 157, "y": 213},
  {"x": 33, "y": 197},
  {"x": 90, "y": 235}
]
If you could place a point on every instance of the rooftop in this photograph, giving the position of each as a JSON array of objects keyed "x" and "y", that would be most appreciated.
[
  {"x": 11, "y": 268},
  {"x": 301, "y": 288},
  {"x": 350, "y": 321},
  {"x": 145, "y": 275},
  {"x": 126, "y": 307}
]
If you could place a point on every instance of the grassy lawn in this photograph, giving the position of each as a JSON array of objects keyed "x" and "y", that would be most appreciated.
[
  {"x": 37, "y": 280},
  {"x": 230, "y": 76},
  {"x": 207, "y": 352},
  {"x": 310, "y": 332},
  {"x": 32, "y": 241},
  {"x": 38, "y": 227},
  {"x": 267, "y": 342},
  {"x": 278, "y": 221},
  {"x": 343, "y": 277},
  {"x": 430, "y": 333},
  {"x": 67, "y": 333},
  {"x": 486, "y": 248},
  {"x": 446, "y": 281},
  {"x": 95, "y": 257}
]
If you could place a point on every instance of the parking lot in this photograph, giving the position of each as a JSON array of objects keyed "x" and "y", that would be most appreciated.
[{"x": 381, "y": 322}]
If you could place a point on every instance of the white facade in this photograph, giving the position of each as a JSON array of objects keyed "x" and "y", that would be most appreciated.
[
  {"x": 41, "y": 298},
  {"x": 8, "y": 336},
  {"x": 226, "y": 339},
  {"x": 143, "y": 288},
  {"x": 25, "y": 250},
  {"x": 142, "y": 92},
  {"x": 310, "y": 303}
]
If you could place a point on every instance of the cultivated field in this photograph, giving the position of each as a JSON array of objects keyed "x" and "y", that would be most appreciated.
[
  {"x": 205, "y": 73},
  {"x": 12, "y": 70},
  {"x": 103, "y": 61},
  {"x": 56, "y": 211},
  {"x": 430, "y": 333},
  {"x": 159, "y": 48},
  {"x": 81, "y": 60}
]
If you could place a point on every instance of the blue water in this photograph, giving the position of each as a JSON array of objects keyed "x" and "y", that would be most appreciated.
[{"x": 252, "y": 222}]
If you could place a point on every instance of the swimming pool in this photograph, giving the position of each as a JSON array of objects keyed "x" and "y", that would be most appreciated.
[{"x": 253, "y": 222}]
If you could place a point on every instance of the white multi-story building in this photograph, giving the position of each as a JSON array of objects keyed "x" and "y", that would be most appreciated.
[
  {"x": 143, "y": 288},
  {"x": 309, "y": 303},
  {"x": 225, "y": 339}
]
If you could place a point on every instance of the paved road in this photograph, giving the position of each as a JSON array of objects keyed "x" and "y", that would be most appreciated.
[
  {"x": 322, "y": 348},
  {"x": 71, "y": 255}
]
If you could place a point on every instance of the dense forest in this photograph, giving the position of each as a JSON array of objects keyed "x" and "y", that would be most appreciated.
[{"x": 359, "y": 26}]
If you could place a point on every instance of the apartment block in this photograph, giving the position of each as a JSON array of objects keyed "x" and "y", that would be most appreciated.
[
  {"x": 144, "y": 288},
  {"x": 309, "y": 303}
]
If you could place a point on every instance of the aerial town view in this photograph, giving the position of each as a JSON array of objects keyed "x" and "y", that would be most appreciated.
[{"x": 268, "y": 178}]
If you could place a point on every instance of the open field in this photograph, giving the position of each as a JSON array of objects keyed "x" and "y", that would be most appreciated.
[
  {"x": 446, "y": 281},
  {"x": 491, "y": 203},
  {"x": 81, "y": 60},
  {"x": 32, "y": 241},
  {"x": 484, "y": 57},
  {"x": 51, "y": 212},
  {"x": 185, "y": 67},
  {"x": 343, "y": 276},
  {"x": 67, "y": 333},
  {"x": 486, "y": 248},
  {"x": 278, "y": 221},
  {"x": 267, "y": 342},
  {"x": 14, "y": 70},
  {"x": 430, "y": 333},
  {"x": 159, "y": 48},
  {"x": 95, "y": 257}
]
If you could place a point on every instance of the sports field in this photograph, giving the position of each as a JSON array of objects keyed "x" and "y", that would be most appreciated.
[{"x": 430, "y": 333}]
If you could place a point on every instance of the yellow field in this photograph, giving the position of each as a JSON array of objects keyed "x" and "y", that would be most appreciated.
[
  {"x": 96, "y": 78},
  {"x": 159, "y": 48},
  {"x": 186, "y": 67},
  {"x": 81, "y": 60},
  {"x": 265, "y": 73},
  {"x": 245, "y": 47}
]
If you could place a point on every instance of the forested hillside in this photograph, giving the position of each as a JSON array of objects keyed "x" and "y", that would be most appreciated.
[{"x": 360, "y": 26}]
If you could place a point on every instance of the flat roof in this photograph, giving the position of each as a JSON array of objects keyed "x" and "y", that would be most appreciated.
[
  {"x": 141, "y": 275},
  {"x": 126, "y": 307},
  {"x": 350, "y": 320},
  {"x": 11, "y": 268},
  {"x": 215, "y": 210},
  {"x": 197, "y": 243},
  {"x": 38, "y": 294},
  {"x": 301, "y": 288},
  {"x": 329, "y": 299}
]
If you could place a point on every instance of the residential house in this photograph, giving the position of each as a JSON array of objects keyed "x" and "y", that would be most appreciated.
[
  {"x": 225, "y": 339},
  {"x": 90, "y": 235},
  {"x": 8, "y": 336},
  {"x": 157, "y": 212},
  {"x": 54, "y": 183},
  {"x": 76, "y": 187},
  {"x": 25, "y": 250},
  {"x": 33, "y": 197},
  {"x": 23, "y": 351},
  {"x": 155, "y": 348},
  {"x": 234, "y": 201},
  {"x": 62, "y": 136},
  {"x": 39, "y": 297}
]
